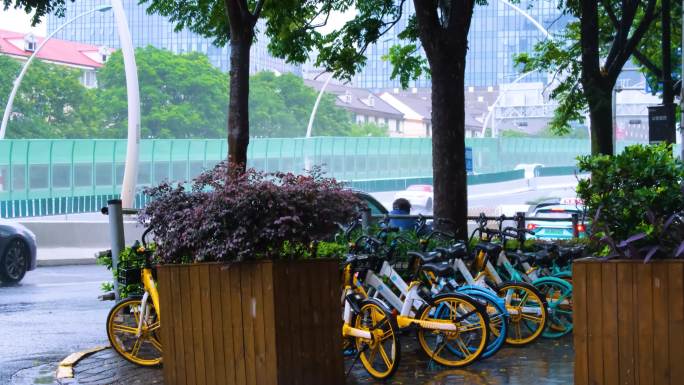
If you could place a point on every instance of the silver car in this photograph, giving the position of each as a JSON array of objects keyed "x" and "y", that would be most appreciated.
[{"x": 17, "y": 251}]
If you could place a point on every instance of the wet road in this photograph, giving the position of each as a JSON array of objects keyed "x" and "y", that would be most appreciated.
[
  {"x": 52, "y": 313},
  {"x": 545, "y": 362}
]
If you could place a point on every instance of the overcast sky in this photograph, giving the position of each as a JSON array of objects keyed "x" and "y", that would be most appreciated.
[{"x": 19, "y": 21}]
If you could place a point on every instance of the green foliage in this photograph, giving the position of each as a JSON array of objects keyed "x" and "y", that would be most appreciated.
[
  {"x": 624, "y": 187},
  {"x": 132, "y": 257},
  {"x": 50, "y": 102},
  {"x": 182, "y": 96},
  {"x": 407, "y": 64},
  {"x": 280, "y": 106},
  {"x": 561, "y": 55},
  {"x": 368, "y": 129}
]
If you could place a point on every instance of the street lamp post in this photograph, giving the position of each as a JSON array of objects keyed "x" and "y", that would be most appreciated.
[
  {"x": 132, "y": 89},
  {"x": 17, "y": 81}
]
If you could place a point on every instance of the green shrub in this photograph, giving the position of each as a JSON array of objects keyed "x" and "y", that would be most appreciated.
[{"x": 624, "y": 190}]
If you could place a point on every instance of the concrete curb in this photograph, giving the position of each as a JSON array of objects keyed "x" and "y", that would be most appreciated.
[
  {"x": 66, "y": 262},
  {"x": 65, "y": 370}
]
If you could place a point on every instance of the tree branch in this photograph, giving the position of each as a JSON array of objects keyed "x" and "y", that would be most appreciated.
[
  {"x": 646, "y": 62},
  {"x": 257, "y": 9},
  {"x": 649, "y": 15}
]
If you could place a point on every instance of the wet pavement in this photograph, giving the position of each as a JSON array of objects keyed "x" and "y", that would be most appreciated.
[
  {"x": 53, "y": 312},
  {"x": 545, "y": 362},
  {"x": 541, "y": 363}
]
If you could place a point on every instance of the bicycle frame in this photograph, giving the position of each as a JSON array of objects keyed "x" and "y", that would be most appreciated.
[{"x": 150, "y": 292}]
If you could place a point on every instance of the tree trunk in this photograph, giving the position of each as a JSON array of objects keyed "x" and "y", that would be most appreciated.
[
  {"x": 448, "y": 143},
  {"x": 601, "y": 115},
  {"x": 238, "y": 105}
]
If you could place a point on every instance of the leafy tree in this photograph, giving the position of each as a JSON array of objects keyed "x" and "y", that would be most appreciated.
[
  {"x": 289, "y": 24},
  {"x": 441, "y": 28},
  {"x": 182, "y": 96},
  {"x": 280, "y": 106},
  {"x": 587, "y": 58},
  {"x": 50, "y": 103},
  {"x": 368, "y": 129}
]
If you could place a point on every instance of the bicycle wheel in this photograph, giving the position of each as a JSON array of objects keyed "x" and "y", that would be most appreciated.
[
  {"x": 527, "y": 309},
  {"x": 559, "y": 299},
  {"x": 381, "y": 354},
  {"x": 123, "y": 320},
  {"x": 498, "y": 318},
  {"x": 463, "y": 345}
]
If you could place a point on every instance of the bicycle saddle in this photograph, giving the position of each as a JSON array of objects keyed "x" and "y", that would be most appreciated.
[
  {"x": 491, "y": 249},
  {"x": 439, "y": 270},
  {"x": 458, "y": 250},
  {"x": 425, "y": 257}
]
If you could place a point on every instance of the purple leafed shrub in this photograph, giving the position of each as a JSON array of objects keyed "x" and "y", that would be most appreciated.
[
  {"x": 661, "y": 238},
  {"x": 227, "y": 216}
]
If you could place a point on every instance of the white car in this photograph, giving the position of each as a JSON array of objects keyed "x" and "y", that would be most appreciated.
[
  {"x": 531, "y": 169},
  {"x": 418, "y": 194}
]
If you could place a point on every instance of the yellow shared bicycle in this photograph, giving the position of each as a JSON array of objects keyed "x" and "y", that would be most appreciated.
[{"x": 133, "y": 324}]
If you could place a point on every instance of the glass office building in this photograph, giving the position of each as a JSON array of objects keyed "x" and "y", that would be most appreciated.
[
  {"x": 498, "y": 32},
  {"x": 100, "y": 29}
]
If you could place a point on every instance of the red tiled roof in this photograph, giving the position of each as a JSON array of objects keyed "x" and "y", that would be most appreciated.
[{"x": 60, "y": 51}]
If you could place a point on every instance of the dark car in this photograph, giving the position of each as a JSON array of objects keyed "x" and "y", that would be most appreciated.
[
  {"x": 374, "y": 205},
  {"x": 17, "y": 251}
]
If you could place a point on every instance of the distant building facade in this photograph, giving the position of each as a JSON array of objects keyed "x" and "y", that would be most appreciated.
[
  {"x": 364, "y": 106},
  {"x": 85, "y": 57},
  {"x": 155, "y": 30},
  {"x": 498, "y": 32}
]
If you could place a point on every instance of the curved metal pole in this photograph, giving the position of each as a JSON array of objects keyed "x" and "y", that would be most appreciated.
[
  {"x": 541, "y": 29},
  {"x": 17, "y": 81},
  {"x": 133, "y": 92},
  {"x": 498, "y": 98},
  {"x": 528, "y": 17},
  {"x": 315, "y": 107}
]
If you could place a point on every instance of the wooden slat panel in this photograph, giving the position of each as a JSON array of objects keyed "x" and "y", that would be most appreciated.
[
  {"x": 661, "y": 335},
  {"x": 258, "y": 319},
  {"x": 207, "y": 323},
  {"x": 186, "y": 308},
  {"x": 676, "y": 322},
  {"x": 315, "y": 287},
  {"x": 248, "y": 307},
  {"x": 216, "y": 294},
  {"x": 237, "y": 326},
  {"x": 304, "y": 339},
  {"x": 595, "y": 324},
  {"x": 334, "y": 360},
  {"x": 626, "y": 323},
  {"x": 579, "y": 277},
  {"x": 227, "y": 321},
  {"x": 283, "y": 309},
  {"x": 167, "y": 332},
  {"x": 644, "y": 304},
  {"x": 181, "y": 371},
  {"x": 197, "y": 321},
  {"x": 610, "y": 323},
  {"x": 270, "y": 321}
]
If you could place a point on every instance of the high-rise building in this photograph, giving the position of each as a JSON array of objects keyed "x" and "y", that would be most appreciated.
[
  {"x": 498, "y": 32},
  {"x": 154, "y": 30}
]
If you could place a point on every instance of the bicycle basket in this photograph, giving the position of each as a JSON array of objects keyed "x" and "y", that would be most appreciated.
[{"x": 130, "y": 272}]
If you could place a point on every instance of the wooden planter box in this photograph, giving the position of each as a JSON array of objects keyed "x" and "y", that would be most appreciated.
[
  {"x": 258, "y": 323},
  {"x": 629, "y": 322}
]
